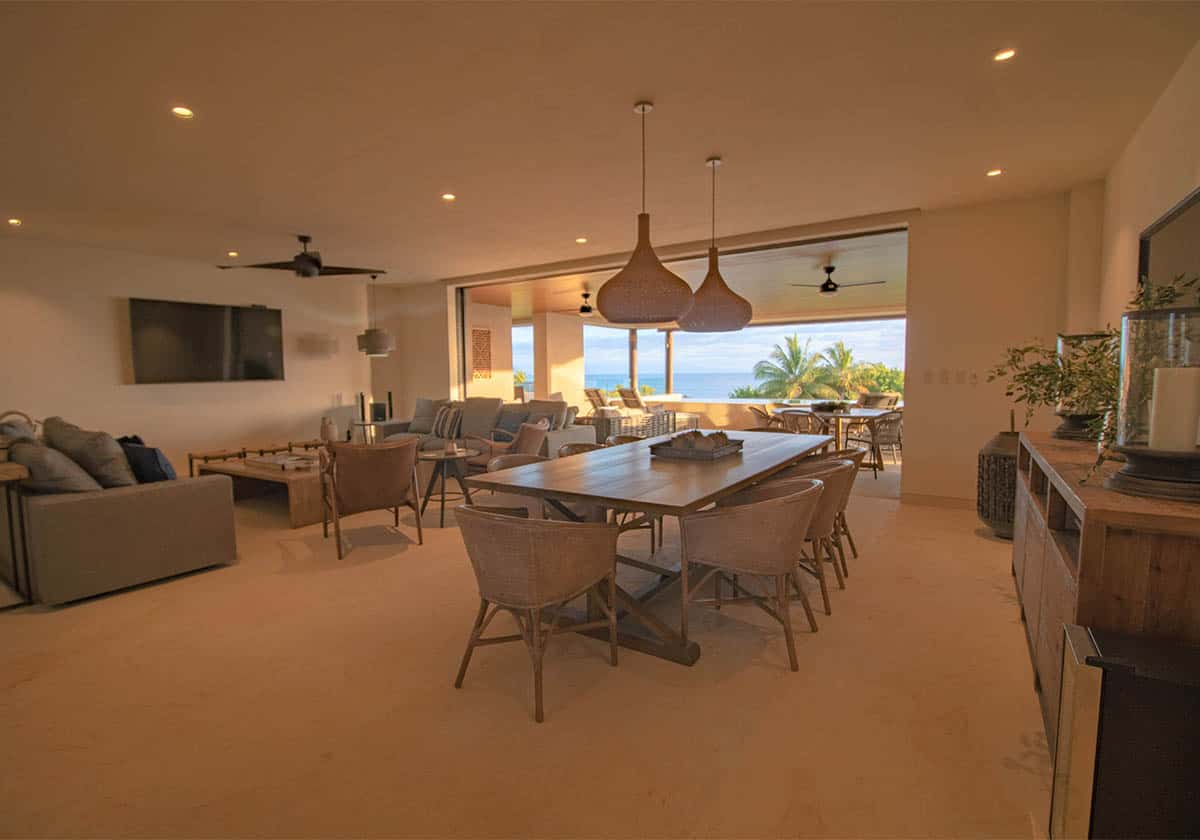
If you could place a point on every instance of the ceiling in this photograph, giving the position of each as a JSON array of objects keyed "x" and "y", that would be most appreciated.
[
  {"x": 763, "y": 277},
  {"x": 348, "y": 121}
]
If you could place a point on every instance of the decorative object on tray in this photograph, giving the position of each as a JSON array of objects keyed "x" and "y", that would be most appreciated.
[
  {"x": 833, "y": 406},
  {"x": 996, "y": 486},
  {"x": 329, "y": 431},
  {"x": 1158, "y": 416},
  {"x": 697, "y": 446},
  {"x": 1079, "y": 377},
  {"x": 282, "y": 461}
]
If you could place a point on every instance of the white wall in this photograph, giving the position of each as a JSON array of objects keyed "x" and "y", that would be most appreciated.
[
  {"x": 65, "y": 342},
  {"x": 558, "y": 356},
  {"x": 1158, "y": 168},
  {"x": 1085, "y": 229},
  {"x": 424, "y": 363},
  {"x": 980, "y": 278},
  {"x": 497, "y": 320}
]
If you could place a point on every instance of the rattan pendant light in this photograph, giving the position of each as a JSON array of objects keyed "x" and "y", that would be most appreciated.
[
  {"x": 375, "y": 343},
  {"x": 644, "y": 291},
  {"x": 716, "y": 307}
]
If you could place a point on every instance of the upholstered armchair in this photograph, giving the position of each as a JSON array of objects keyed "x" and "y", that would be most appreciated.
[
  {"x": 528, "y": 441},
  {"x": 359, "y": 477}
]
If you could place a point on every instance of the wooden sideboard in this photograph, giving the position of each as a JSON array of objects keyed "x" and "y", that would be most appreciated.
[{"x": 1094, "y": 557}]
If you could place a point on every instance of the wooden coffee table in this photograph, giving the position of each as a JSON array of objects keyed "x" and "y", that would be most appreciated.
[
  {"x": 303, "y": 487},
  {"x": 447, "y": 465}
]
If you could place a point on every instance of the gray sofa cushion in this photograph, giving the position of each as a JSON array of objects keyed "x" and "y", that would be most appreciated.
[
  {"x": 423, "y": 414},
  {"x": 512, "y": 415},
  {"x": 554, "y": 410},
  {"x": 50, "y": 471},
  {"x": 97, "y": 452},
  {"x": 479, "y": 415}
]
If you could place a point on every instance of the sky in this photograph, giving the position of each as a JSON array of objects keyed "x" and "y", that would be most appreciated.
[{"x": 605, "y": 350}]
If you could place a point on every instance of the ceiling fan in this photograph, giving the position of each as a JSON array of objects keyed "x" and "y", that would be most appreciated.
[
  {"x": 829, "y": 287},
  {"x": 585, "y": 308},
  {"x": 308, "y": 263}
]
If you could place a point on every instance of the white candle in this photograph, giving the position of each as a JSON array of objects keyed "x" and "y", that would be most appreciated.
[{"x": 1175, "y": 410}]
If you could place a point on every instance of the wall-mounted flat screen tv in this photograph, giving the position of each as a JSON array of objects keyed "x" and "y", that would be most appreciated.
[{"x": 200, "y": 342}]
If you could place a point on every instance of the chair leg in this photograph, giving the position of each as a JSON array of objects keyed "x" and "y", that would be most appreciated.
[
  {"x": 476, "y": 630},
  {"x": 820, "y": 568},
  {"x": 337, "y": 529},
  {"x": 845, "y": 526},
  {"x": 535, "y": 632},
  {"x": 612, "y": 618},
  {"x": 837, "y": 570},
  {"x": 803, "y": 596},
  {"x": 416, "y": 507},
  {"x": 717, "y": 590},
  {"x": 837, "y": 541},
  {"x": 653, "y": 543},
  {"x": 781, "y": 596},
  {"x": 396, "y": 516}
]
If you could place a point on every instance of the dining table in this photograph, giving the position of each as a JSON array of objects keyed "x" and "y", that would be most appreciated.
[
  {"x": 839, "y": 419},
  {"x": 629, "y": 479}
]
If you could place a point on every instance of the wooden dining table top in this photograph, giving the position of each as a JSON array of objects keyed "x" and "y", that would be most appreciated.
[{"x": 628, "y": 477}]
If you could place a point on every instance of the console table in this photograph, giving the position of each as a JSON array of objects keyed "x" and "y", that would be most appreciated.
[{"x": 1094, "y": 557}]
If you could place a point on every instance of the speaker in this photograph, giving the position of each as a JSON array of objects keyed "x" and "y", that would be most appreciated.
[
  {"x": 391, "y": 413},
  {"x": 362, "y": 407},
  {"x": 379, "y": 412}
]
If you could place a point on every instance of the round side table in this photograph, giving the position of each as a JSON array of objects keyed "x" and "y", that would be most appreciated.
[{"x": 447, "y": 465}]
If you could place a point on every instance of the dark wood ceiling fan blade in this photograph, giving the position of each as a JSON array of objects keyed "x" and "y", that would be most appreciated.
[
  {"x": 866, "y": 283},
  {"x": 807, "y": 285},
  {"x": 342, "y": 269},
  {"x": 281, "y": 266}
]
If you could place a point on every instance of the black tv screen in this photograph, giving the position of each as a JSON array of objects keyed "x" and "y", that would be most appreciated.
[{"x": 200, "y": 342}]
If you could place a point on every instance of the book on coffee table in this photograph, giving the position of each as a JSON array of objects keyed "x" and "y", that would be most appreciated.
[{"x": 282, "y": 461}]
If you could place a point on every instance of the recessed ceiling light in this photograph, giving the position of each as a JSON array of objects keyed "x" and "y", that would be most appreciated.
[
  {"x": 992, "y": 173},
  {"x": 182, "y": 112},
  {"x": 232, "y": 253},
  {"x": 1004, "y": 55},
  {"x": 14, "y": 222},
  {"x": 581, "y": 240},
  {"x": 448, "y": 196}
]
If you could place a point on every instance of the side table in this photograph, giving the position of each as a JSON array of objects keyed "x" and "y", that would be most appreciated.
[
  {"x": 11, "y": 474},
  {"x": 446, "y": 465}
]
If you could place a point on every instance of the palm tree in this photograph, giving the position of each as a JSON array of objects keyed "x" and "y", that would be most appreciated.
[
  {"x": 793, "y": 371},
  {"x": 844, "y": 374}
]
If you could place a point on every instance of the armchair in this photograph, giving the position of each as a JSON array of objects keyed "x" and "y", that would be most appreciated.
[{"x": 528, "y": 441}]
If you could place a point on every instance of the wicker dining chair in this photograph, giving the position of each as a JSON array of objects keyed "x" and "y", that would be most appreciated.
[
  {"x": 531, "y": 506},
  {"x": 629, "y": 520},
  {"x": 569, "y": 449},
  {"x": 757, "y": 538},
  {"x": 815, "y": 466},
  {"x": 884, "y": 430},
  {"x": 855, "y": 454},
  {"x": 804, "y": 423},
  {"x": 358, "y": 477},
  {"x": 819, "y": 537},
  {"x": 764, "y": 417},
  {"x": 529, "y": 566}
]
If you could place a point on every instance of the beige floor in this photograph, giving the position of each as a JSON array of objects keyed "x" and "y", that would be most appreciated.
[{"x": 296, "y": 695}]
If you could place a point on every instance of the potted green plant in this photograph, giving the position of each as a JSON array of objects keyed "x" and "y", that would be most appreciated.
[{"x": 1079, "y": 378}]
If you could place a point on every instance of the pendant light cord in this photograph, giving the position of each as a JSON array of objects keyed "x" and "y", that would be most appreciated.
[
  {"x": 372, "y": 307},
  {"x": 714, "y": 207},
  {"x": 643, "y": 161}
]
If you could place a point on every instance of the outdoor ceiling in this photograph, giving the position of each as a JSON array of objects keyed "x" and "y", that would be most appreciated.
[
  {"x": 763, "y": 277},
  {"x": 348, "y": 121}
]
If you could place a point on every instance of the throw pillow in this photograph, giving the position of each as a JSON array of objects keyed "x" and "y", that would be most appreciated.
[
  {"x": 445, "y": 424},
  {"x": 572, "y": 413},
  {"x": 148, "y": 464},
  {"x": 50, "y": 471},
  {"x": 97, "y": 452},
  {"x": 15, "y": 427}
]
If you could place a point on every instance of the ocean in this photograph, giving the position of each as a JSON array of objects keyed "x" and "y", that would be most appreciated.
[{"x": 708, "y": 386}]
